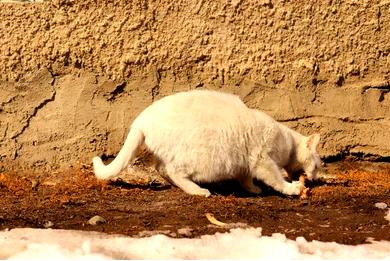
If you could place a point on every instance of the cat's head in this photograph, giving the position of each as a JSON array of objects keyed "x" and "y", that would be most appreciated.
[{"x": 308, "y": 157}]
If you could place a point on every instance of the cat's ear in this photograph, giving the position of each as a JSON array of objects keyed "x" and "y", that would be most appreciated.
[{"x": 312, "y": 141}]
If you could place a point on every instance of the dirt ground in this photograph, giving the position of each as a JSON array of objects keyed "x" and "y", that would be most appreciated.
[{"x": 340, "y": 208}]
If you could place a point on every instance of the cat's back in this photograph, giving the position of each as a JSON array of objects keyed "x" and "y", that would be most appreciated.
[{"x": 193, "y": 108}]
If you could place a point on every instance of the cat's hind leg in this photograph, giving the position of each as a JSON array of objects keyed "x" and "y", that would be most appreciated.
[
  {"x": 267, "y": 171},
  {"x": 247, "y": 183},
  {"x": 183, "y": 181}
]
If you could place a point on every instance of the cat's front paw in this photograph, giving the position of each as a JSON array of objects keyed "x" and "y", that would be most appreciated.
[
  {"x": 299, "y": 184},
  {"x": 297, "y": 187}
]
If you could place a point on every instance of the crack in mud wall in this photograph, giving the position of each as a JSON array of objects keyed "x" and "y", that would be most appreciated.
[{"x": 74, "y": 74}]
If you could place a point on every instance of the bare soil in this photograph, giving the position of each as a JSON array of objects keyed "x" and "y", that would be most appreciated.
[{"x": 340, "y": 208}]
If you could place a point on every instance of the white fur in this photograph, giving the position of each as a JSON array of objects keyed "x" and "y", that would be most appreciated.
[{"x": 207, "y": 136}]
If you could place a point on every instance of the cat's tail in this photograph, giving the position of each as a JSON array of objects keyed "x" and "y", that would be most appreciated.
[{"x": 134, "y": 139}]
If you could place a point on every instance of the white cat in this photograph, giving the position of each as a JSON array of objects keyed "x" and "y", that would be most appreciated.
[{"x": 206, "y": 136}]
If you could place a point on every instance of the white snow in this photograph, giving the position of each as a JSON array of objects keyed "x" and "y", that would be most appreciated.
[{"x": 28, "y": 243}]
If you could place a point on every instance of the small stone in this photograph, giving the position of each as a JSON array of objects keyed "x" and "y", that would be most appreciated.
[
  {"x": 185, "y": 231},
  {"x": 95, "y": 220},
  {"x": 380, "y": 205},
  {"x": 48, "y": 224},
  {"x": 35, "y": 183}
]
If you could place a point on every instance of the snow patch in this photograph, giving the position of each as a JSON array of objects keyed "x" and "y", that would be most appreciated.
[{"x": 28, "y": 243}]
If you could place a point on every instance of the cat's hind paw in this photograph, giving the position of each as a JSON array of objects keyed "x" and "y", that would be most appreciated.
[{"x": 203, "y": 192}]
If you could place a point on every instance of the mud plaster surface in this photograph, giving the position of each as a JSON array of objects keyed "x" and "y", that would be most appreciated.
[{"x": 74, "y": 74}]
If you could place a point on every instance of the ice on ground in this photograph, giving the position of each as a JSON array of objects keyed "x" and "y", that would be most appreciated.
[{"x": 28, "y": 243}]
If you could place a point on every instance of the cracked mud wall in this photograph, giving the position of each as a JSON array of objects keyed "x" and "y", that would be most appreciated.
[{"x": 74, "y": 74}]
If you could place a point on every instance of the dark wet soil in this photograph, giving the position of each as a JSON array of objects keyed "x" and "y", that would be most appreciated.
[{"x": 340, "y": 208}]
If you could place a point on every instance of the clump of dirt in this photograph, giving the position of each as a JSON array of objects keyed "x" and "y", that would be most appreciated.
[{"x": 341, "y": 207}]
